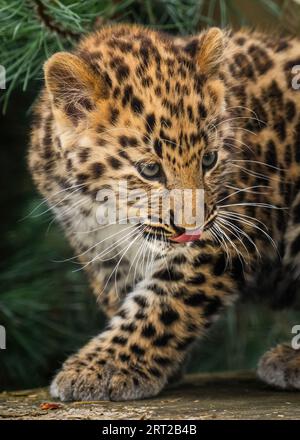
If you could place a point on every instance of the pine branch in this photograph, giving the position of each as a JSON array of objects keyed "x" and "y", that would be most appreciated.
[{"x": 50, "y": 24}]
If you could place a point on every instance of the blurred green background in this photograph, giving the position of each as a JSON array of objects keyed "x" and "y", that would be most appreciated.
[{"x": 45, "y": 306}]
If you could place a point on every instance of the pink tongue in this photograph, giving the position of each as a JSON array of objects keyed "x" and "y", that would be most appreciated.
[{"x": 188, "y": 236}]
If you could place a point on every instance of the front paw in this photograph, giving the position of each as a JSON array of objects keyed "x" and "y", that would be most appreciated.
[
  {"x": 105, "y": 380},
  {"x": 280, "y": 367},
  {"x": 86, "y": 383}
]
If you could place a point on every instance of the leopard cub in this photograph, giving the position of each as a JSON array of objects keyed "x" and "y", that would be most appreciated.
[{"x": 214, "y": 111}]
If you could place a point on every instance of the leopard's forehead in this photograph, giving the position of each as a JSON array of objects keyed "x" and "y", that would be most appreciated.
[
  {"x": 153, "y": 85},
  {"x": 148, "y": 59}
]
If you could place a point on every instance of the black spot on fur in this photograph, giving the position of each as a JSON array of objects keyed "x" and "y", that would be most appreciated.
[
  {"x": 192, "y": 47},
  {"x": 124, "y": 141},
  {"x": 128, "y": 92},
  {"x": 158, "y": 147},
  {"x": 107, "y": 80},
  {"x": 82, "y": 178},
  {"x": 150, "y": 122},
  {"x": 169, "y": 316},
  {"x": 123, "y": 154},
  {"x": 157, "y": 289},
  {"x": 198, "y": 279},
  {"x": 213, "y": 306},
  {"x": 114, "y": 114},
  {"x": 122, "y": 72},
  {"x": 290, "y": 110},
  {"x": 202, "y": 259},
  {"x": 97, "y": 169},
  {"x": 140, "y": 300},
  {"x": 271, "y": 155},
  {"x": 168, "y": 275},
  {"x": 242, "y": 66},
  {"x": 137, "y": 105},
  {"x": 136, "y": 349},
  {"x": 140, "y": 315},
  {"x": 131, "y": 327},
  {"x": 288, "y": 155},
  {"x": 114, "y": 163},
  {"x": 195, "y": 300},
  {"x": 202, "y": 111},
  {"x": 280, "y": 128},
  {"x": 120, "y": 340},
  {"x": 163, "y": 340},
  {"x": 220, "y": 265},
  {"x": 179, "y": 259},
  {"x": 148, "y": 331},
  {"x": 261, "y": 59},
  {"x": 241, "y": 41}
]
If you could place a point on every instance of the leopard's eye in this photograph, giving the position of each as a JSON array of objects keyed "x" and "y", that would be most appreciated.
[
  {"x": 150, "y": 170},
  {"x": 209, "y": 159}
]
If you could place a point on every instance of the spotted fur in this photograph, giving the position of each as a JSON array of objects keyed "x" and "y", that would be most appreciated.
[{"x": 130, "y": 95}]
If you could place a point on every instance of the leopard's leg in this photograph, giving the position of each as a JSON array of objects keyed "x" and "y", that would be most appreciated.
[
  {"x": 110, "y": 286},
  {"x": 280, "y": 366},
  {"x": 148, "y": 338}
]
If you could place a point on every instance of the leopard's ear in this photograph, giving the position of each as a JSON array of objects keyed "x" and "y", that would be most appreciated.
[
  {"x": 72, "y": 83},
  {"x": 210, "y": 50}
]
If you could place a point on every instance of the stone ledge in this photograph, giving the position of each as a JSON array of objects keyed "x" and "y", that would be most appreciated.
[{"x": 201, "y": 396}]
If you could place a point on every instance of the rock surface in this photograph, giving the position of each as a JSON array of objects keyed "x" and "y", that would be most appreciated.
[{"x": 201, "y": 396}]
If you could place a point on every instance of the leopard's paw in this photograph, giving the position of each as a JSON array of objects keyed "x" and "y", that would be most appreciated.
[
  {"x": 280, "y": 367},
  {"x": 88, "y": 383},
  {"x": 62, "y": 386},
  {"x": 105, "y": 380},
  {"x": 131, "y": 385}
]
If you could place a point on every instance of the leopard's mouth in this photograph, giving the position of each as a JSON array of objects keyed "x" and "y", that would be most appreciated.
[{"x": 153, "y": 233}]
